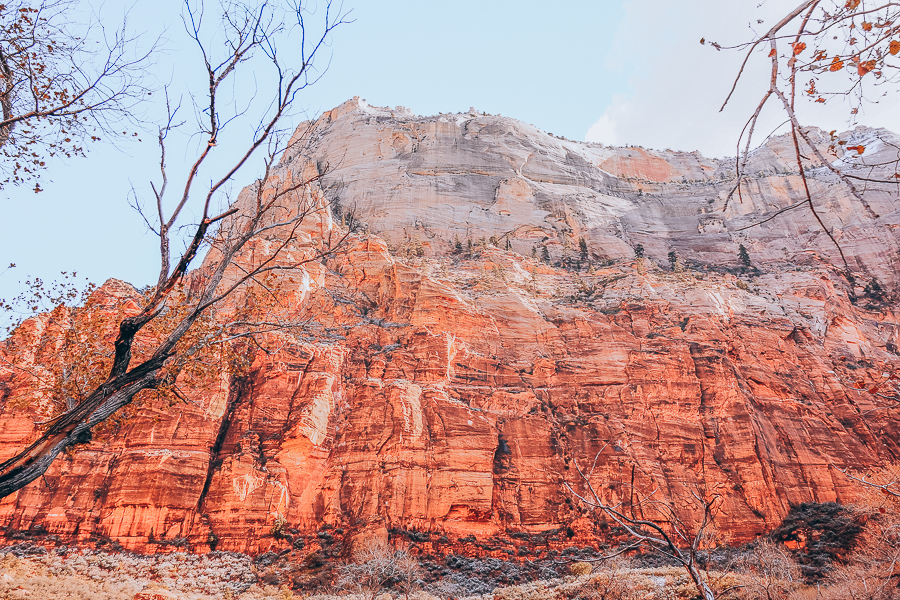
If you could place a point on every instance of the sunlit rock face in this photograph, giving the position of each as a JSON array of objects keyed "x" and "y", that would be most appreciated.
[{"x": 448, "y": 397}]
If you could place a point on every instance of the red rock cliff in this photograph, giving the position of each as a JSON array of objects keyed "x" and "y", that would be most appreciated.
[{"x": 451, "y": 394}]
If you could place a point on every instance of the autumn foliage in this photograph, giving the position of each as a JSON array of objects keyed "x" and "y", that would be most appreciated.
[
  {"x": 62, "y": 85},
  {"x": 820, "y": 50}
]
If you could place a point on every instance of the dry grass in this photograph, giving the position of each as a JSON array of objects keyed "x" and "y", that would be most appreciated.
[
  {"x": 99, "y": 576},
  {"x": 417, "y": 595},
  {"x": 616, "y": 581}
]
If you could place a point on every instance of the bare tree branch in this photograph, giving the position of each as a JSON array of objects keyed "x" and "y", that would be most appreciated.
[
  {"x": 62, "y": 86},
  {"x": 658, "y": 539},
  {"x": 182, "y": 301},
  {"x": 828, "y": 32}
]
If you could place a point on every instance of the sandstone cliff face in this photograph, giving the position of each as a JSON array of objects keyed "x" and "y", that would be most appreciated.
[{"x": 448, "y": 396}]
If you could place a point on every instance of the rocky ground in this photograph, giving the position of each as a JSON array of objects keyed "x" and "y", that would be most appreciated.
[
  {"x": 93, "y": 575},
  {"x": 821, "y": 551},
  {"x": 97, "y": 575}
]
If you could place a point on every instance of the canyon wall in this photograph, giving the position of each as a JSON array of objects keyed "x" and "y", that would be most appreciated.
[{"x": 450, "y": 382}]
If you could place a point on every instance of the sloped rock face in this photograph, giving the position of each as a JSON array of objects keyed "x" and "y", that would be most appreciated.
[
  {"x": 449, "y": 397},
  {"x": 429, "y": 181}
]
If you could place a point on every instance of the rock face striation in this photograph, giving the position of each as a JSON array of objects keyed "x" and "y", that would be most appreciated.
[{"x": 489, "y": 333}]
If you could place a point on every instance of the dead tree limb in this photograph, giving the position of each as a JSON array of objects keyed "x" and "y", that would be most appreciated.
[{"x": 171, "y": 309}]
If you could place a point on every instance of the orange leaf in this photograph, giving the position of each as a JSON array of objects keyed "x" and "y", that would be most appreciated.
[
  {"x": 820, "y": 99},
  {"x": 798, "y": 48},
  {"x": 836, "y": 64},
  {"x": 894, "y": 47},
  {"x": 852, "y": 4},
  {"x": 859, "y": 149},
  {"x": 866, "y": 26},
  {"x": 865, "y": 66},
  {"x": 773, "y": 53}
]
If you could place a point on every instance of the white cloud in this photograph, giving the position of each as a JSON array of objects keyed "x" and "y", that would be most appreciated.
[
  {"x": 678, "y": 85},
  {"x": 604, "y": 130}
]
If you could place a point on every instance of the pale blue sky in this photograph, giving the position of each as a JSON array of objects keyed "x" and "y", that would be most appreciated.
[{"x": 633, "y": 67}]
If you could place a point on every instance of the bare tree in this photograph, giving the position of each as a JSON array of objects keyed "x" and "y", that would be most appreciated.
[
  {"x": 886, "y": 481},
  {"x": 192, "y": 317},
  {"x": 375, "y": 565},
  {"x": 846, "y": 48},
  {"x": 664, "y": 532},
  {"x": 612, "y": 583},
  {"x": 63, "y": 85},
  {"x": 775, "y": 573},
  {"x": 870, "y": 571},
  {"x": 411, "y": 574}
]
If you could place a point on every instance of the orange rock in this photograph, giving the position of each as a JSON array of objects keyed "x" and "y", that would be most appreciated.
[
  {"x": 640, "y": 164},
  {"x": 450, "y": 403}
]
